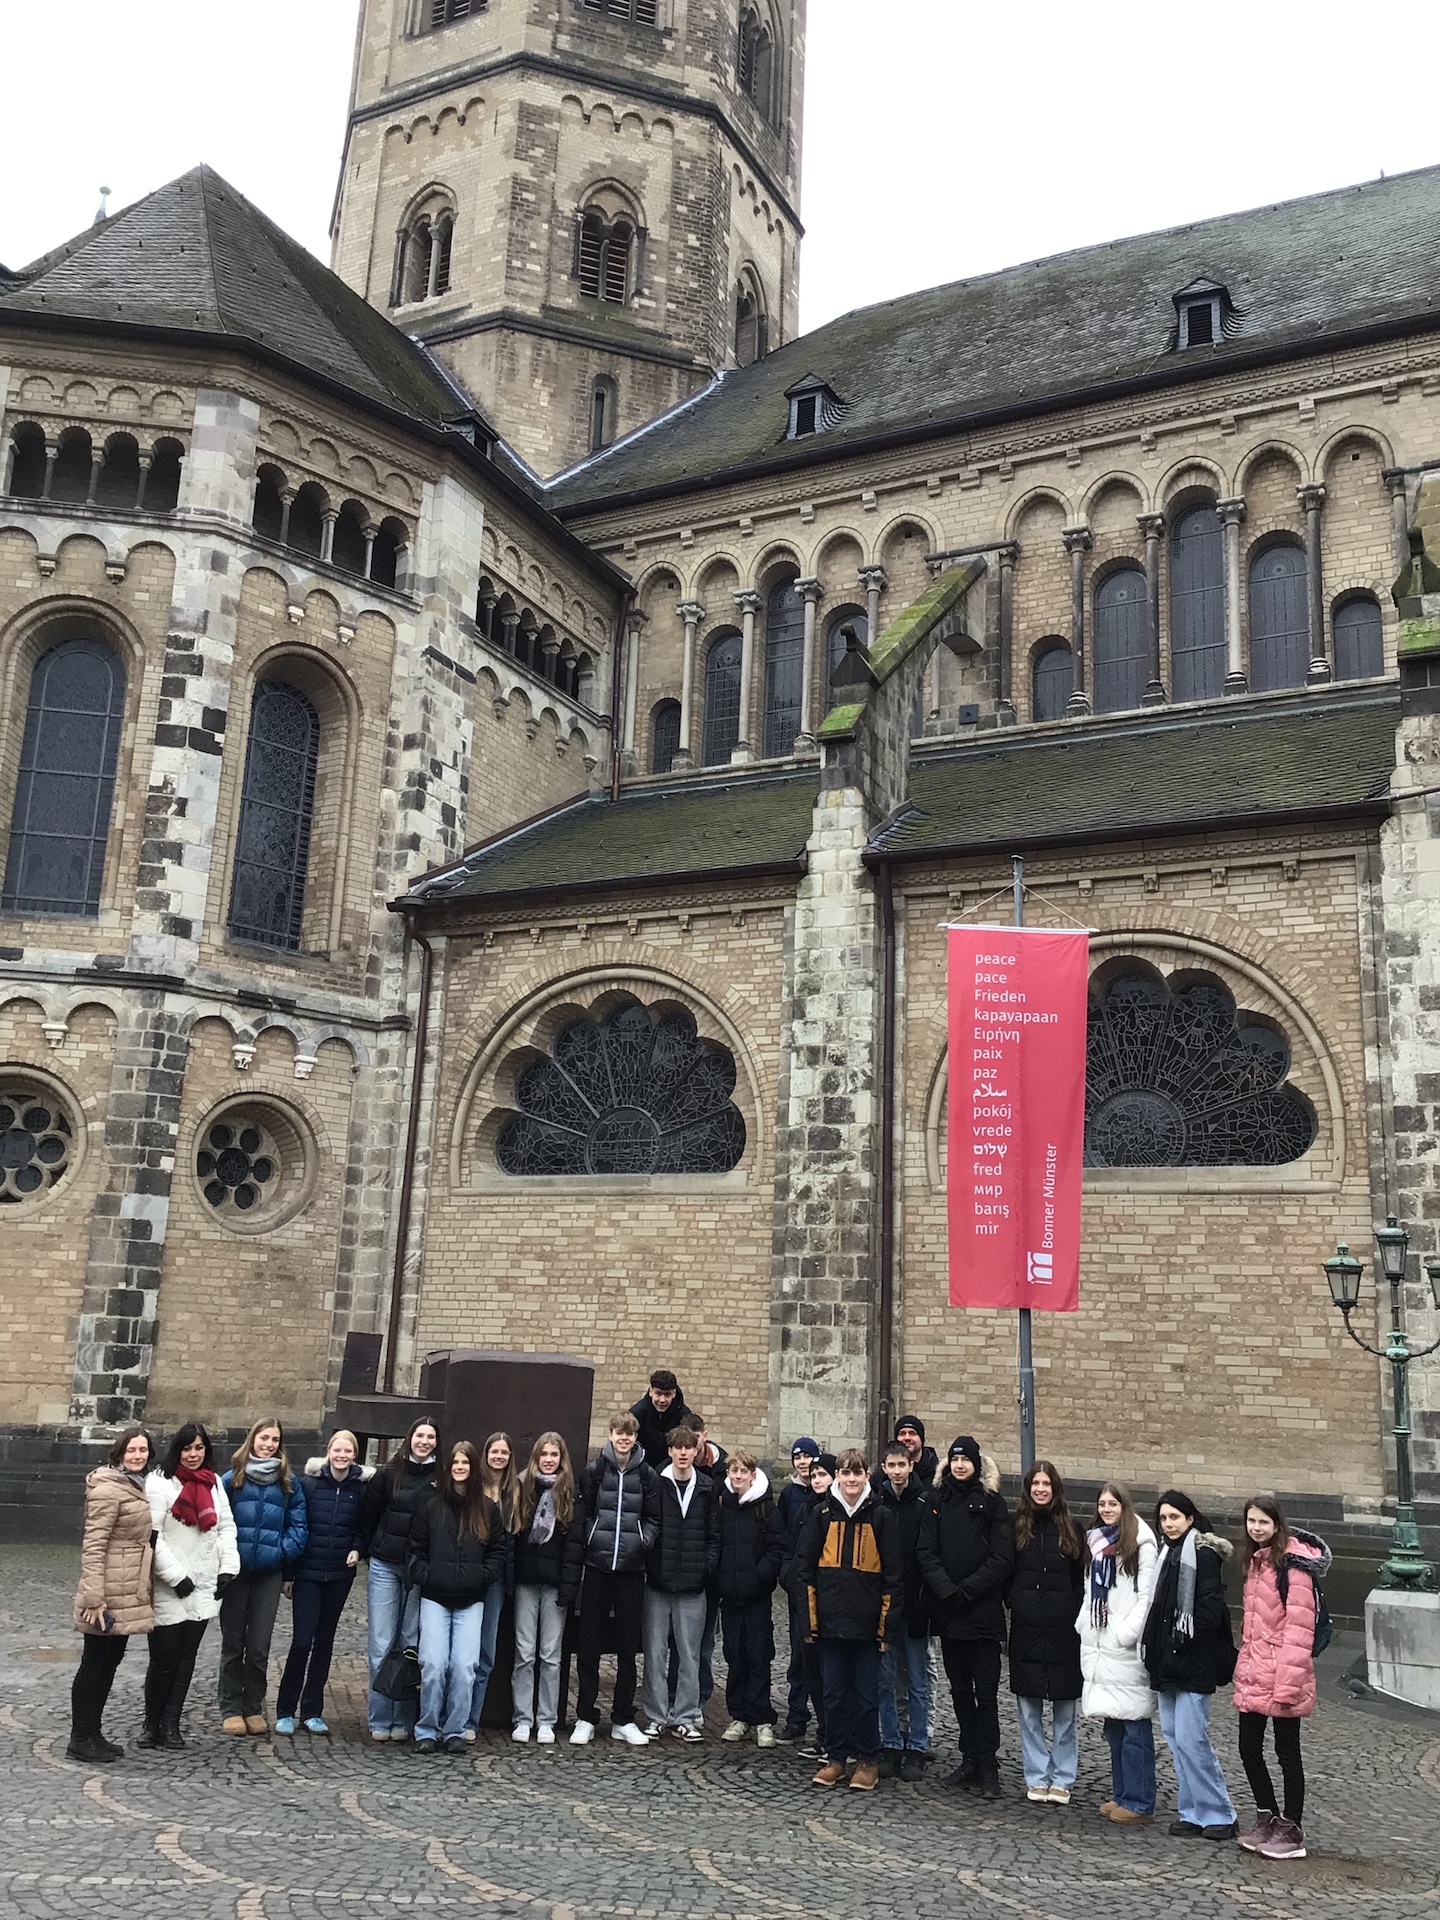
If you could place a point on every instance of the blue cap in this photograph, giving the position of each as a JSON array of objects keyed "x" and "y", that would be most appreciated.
[{"x": 806, "y": 1445}]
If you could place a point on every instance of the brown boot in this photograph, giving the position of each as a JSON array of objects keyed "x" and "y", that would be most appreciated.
[
  {"x": 233, "y": 1723},
  {"x": 865, "y": 1776},
  {"x": 1123, "y": 1817},
  {"x": 832, "y": 1775},
  {"x": 256, "y": 1723}
]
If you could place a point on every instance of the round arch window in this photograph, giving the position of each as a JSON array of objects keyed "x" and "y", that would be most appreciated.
[
  {"x": 254, "y": 1165},
  {"x": 38, "y": 1140}
]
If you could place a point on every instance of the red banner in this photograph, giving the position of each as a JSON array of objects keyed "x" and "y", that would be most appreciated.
[{"x": 1017, "y": 1116}]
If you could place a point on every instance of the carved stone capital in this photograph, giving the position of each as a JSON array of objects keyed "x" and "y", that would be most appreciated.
[
  {"x": 691, "y": 612},
  {"x": 874, "y": 578},
  {"x": 1231, "y": 512},
  {"x": 1152, "y": 525},
  {"x": 810, "y": 590},
  {"x": 1311, "y": 498},
  {"x": 1077, "y": 539},
  {"x": 1395, "y": 479},
  {"x": 747, "y": 600}
]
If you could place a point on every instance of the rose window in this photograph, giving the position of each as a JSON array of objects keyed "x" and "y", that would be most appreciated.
[
  {"x": 238, "y": 1165},
  {"x": 37, "y": 1142}
]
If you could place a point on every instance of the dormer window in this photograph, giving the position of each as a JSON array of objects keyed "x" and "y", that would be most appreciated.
[
  {"x": 814, "y": 407},
  {"x": 1204, "y": 314}
]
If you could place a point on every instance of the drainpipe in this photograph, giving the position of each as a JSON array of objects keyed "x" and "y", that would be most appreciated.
[
  {"x": 885, "y": 1343},
  {"x": 412, "y": 1139},
  {"x": 617, "y": 667}
]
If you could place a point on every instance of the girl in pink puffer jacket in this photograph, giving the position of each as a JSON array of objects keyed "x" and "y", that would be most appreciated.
[{"x": 1275, "y": 1672}]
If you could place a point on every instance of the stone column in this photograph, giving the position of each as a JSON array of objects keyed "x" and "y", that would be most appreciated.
[
  {"x": 287, "y": 501},
  {"x": 635, "y": 621},
  {"x": 1077, "y": 544},
  {"x": 811, "y": 592},
  {"x": 1312, "y": 499},
  {"x": 432, "y": 270},
  {"x": 371, "y": 531},
  {"x": 52, "y": 454},
  {"x": 1394, "y": 478},
  {"x": 484, "y": 611},
  {"x": 97, "y": 461},
  {"x": 509, "y": 627},
  {"x": 1152, "y": 525},
  {"x": 874, "y": 580},
  {"x": 692, "y": 613},
  {"x": 1005, "y": 706},
  {"x": 749, "y": 605},
  {"x": 1232, "y": 513},
  {"x": 327, "y": 532},
  {"x": 143, "y": 481},
  {"x": 402, "y": 569}
]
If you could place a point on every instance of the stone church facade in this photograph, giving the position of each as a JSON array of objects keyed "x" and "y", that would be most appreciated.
[{"x": 495, "y": 911}]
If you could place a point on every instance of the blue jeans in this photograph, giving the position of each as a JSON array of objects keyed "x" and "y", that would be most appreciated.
[
  {"x": 905, "y": 1667},
  {"x": 1054, "y": 1764},
  {"x": 1132, "y": 1764},
  {"x": 384, "y": 1587},
  {"x": 449, "y": 1654},
  {"x": 1204, "y": 1799},
  {"x": 850, "y": 1678},
  {"x": 494, "y": 1606}
]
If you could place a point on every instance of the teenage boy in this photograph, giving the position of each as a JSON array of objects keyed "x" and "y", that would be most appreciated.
[
  {"x": 681, "y": 1564},
  {"x": 822, "y": 1479},
  {"x": 751, "y": 1549},
  {"x": 710, "y": 1459},
  {"x": 924, "y": 1461},
  {"x": 622, "y": 1517},
  {"x": 905, "y": 1665},
  {"x": 850, "y": 1568},
  {"x": 792, "y": 1505},
  {"x": 657, "y": 1411}
]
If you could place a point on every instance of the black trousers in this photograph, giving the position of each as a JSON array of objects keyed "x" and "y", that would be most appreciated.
[
  {"x": 1287, "y": 1752},
  {"x": 100, "y": 1657},
  {"x": 797, "y": 1704},
  {"x": 973, "y": 1669},
  {"x": 749, "y": 1641},
  {"x": 605, "y": 1594},
  {"x": 247, "y": 1624},
  {"x": 316, "y": 1607},
  {"x": 172, "y": 1666}
]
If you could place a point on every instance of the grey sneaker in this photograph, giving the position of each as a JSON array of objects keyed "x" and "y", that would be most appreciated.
[
  {"x": 1259, "y": 1833},
  {"x": 1286, "y": 1842}
]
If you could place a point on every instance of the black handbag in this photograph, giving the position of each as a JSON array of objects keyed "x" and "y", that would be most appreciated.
[{"x": 397, "y": 1677}]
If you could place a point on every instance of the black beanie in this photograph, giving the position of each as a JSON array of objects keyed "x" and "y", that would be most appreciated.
[
  {"x": 962, "y": 1443},
  {"x": 910, "y": 1420},
  {"x": 826, "y": 1462}
]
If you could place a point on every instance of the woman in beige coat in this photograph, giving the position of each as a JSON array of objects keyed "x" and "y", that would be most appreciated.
[{"x": 113, "y": 1599}]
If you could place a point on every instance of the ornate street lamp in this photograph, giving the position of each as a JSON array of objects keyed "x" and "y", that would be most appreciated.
[{"x": 1407, "y": 1566}]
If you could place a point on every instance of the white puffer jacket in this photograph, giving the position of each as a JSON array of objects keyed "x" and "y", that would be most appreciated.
[
  {"x": 183, "y": 1553},
  {"x": 1117, "y": 1686}
]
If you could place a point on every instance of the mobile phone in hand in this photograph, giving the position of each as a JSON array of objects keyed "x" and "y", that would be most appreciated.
[{"x": 107, "y": 1621}]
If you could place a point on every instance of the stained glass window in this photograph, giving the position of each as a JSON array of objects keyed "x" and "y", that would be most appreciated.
[
  {"x": 665, "y": 736},
  {"x": 238, "y": 1165},
  {"x": 267, "y": 900},
  {"x": 784, "y": 668},
  {"x": 632, "y": 1093},
  {"x": 722, "y": 700},
  {"x": 1279, "y": 619},
  {"x": 1359, "y": 639},
  {"x": 1177, "y": 1079},
  {"x": 1197, "y": 606},
  {"x": 1121, "y": 641},
  {"x": 36, "y": 1142}
]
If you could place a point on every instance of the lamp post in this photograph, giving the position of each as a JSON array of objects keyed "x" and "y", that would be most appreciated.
[{"x": 1406, "y": 1566}]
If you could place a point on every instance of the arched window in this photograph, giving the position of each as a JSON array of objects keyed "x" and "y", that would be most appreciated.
[
  {"x": 442, "y": 13},
  {"x": 120, "y": 476},
  {"x": 604, "y": 249},
  {"x": 1279, "y": 619},
  {"x": 1120, "y": 657},
  {"x": 347, "y": 546},
  {"x": 784, "y": 667},
  {"x": 66, "y": 784},
  {"x": 1359, "y": 638},
  {"x": 27, "y": 462},
  {"x": 664, "y": 735},
  {"x": 1174, "y": 1078},
  {"x": 422, "y": 253},
  {"x": 161, "y": 490},
  {"x": 1052, "y": 681},
  {"x": 602, "y": 413},
  {"x": 268, "y": 514},
  {"x": 750, "y": 327},
  {"x": 835, "y": 626},
  {"x": 71, "y": 479},
  {"x": 307, "y": 518},
  {"x": 638, "y": 1092},
  {"x": 277, "y": 798},
  {"x": 392, "y": 540},
  {"x": 755, "y": 63},
  {"x": 1197, "y": 606},
  {"x": 722, "y": 700}
]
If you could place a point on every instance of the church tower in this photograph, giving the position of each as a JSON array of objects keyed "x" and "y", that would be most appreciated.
[{"x": 585, "y": 207}]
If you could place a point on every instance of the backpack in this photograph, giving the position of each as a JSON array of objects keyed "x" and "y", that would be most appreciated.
[{"x": 1324, "y": 1625}]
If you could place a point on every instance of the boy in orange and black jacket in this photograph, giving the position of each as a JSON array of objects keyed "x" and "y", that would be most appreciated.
[{"x": 848, "y": 1566}]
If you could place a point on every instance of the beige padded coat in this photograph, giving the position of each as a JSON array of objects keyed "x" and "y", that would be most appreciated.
[{"x": 115, "y": 1554}]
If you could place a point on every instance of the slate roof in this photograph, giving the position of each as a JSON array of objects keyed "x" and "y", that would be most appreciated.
[{"x": 1302, "y": 276}]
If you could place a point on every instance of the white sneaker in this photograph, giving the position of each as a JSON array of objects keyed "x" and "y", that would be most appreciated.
[
  {"x": 736, "y": 1731},
  {"x": 584, "y": 1733},
  {"x": 765, "y": 1736},
  {"x": 520, "y": 1734},
  {"x": 687, "y": 1732},
  {"x": 630, "y": 1734},
  {"x": 544, "y": 1736}
]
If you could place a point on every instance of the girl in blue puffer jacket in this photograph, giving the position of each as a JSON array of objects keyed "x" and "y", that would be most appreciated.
[{"x": 271, "y": 1529}]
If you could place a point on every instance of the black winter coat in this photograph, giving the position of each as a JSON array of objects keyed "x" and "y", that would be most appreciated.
[
  {"x": 908, "y": 1508},
  {"x": 687, "y": 1545},
  {"x": 622, "y": 1512},
  {"x": 752, "y": 1544},
  {"x": 1046, "y": 1589},
  {"x": 557, "y": 1562},
  {"x": 966, "y": 1549},
  {"x": 848, "y": 1567},
  {"x": 654, "y": 1426},
  {"x": 1190, "y": 1664},
  {"x": 332, "y": 1508},
  {"x": 389, "y": 1510},
  {"x": 452, "y": 1568}
]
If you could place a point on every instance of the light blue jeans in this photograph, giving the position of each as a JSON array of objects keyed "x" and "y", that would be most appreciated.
[
  {"x": 1056, "y": 1763},
  {"x": 905, "y": 1673},
  {"x": 494, "y": 1606},
  {"x": 384, "y": 1588},
  {"x": 1204, "y": 1799},
  {"x": 449, "y": 1654},
  {"x": 539, "y": 1642}
]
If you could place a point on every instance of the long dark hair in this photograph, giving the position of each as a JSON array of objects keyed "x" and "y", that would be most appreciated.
[
  {"x": 1127, "y": 1542},
  {"x": 116, "y": 1457},
  {"x": 240, "y": 1460},
  {"x": 1279, "y": 1544},
  {"x": 564, "y": 1489},
  {"x": 395, "y": 1467},
  {"x": 1182, "y": 1503},
  {"x": 1071, "y": 1544},
  {"x": 179, "y": 1441},
  {"x": 470, "y": 1501},
  {"x": 503, "y": 1487}
]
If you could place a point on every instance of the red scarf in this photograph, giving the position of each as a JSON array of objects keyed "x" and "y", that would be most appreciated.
[{"x": 196, "y": 1504}]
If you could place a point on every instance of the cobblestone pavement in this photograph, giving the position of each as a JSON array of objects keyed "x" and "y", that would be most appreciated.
[{"x": 276, "y": 1829}]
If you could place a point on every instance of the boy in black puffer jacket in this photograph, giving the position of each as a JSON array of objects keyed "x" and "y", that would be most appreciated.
[
  {"x": 752, "y": 1546},
  {"x": 622, "y": 1516},
  {"x": 681, "y": 1564},
  {"x": 793, "y": 1504}
]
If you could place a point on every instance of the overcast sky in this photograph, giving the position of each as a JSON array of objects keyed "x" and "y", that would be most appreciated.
[{"x": 942, "y": 138}]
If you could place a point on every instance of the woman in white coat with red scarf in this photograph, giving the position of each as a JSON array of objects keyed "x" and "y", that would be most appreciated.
[
  {"x": 1122, "y": 1555},
  {"x": 196, "y": 1558}
]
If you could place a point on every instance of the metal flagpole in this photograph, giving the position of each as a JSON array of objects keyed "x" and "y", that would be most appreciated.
[{"x": 1027, "y": 1359}]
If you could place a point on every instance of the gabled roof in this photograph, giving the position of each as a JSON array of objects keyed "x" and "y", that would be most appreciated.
[{"x": 1302, "y": 276}]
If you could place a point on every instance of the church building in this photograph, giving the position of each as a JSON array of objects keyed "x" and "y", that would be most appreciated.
[{"x": 490, "y": 736}]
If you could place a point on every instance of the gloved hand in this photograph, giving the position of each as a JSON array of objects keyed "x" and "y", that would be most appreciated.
[
  {"x": 184, "y": 1588},
  {"x": 222, "y": 1581}
]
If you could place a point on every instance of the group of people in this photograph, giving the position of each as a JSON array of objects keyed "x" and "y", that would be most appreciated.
[{"x": 664, "y": 1542}]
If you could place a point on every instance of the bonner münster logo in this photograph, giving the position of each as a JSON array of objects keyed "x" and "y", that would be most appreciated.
[{"x": 1040, "y": 1268}]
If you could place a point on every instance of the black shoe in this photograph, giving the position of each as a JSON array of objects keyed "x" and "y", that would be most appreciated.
[
  {"x": 149, "y": 1737},
  {"x": 989, "y": 1783},
  {"x": 967, "y": 1775},
  {"x": 1222, "y": 1832},
  {"x": 427, "y": 1746},
  {"x": 789, "y": 1735},
  {"x": 457, "y": 1743},
  {"x": 811, "y": 1750},
  {"x": 170, "y": 1734},
  {"x": 913, "y": 1764},
  {"x": 111, "y": 1751},
  {"x": 890, "y": 1763},
  {"x": 92, "y": 1751},
  {"x": 1186, "y": 1830}
]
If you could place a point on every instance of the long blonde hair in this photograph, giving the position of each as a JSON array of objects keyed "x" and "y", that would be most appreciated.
[
  {"x": 564, "y": 1493},
  {"x": 240, "y": 1459},
  {"x": 502, "y": 1487}
]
